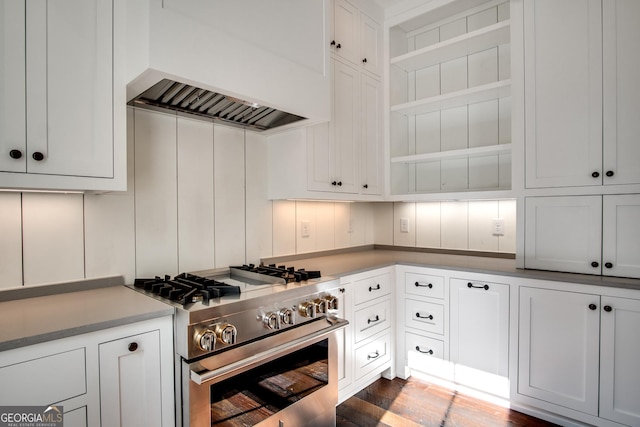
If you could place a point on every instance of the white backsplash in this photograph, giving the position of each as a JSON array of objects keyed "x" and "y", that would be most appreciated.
[{"x": 183, "y": 213}]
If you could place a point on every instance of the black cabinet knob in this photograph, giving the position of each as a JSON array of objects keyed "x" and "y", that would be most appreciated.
[
  {"x": 364, "y": 61},
  {"x": 592, "y": 306},
  {"x": 338, "y": 46},
  {"x": 607, "y": 308},
  {"x": 608, "y": 264},
  {"x": 334, "y": 183},
  {"x": 595, "y": 174},
  {"x": 15, "y": 154},
  {"x": 38, "y": 156},
  {"x": 333, "y": 42},
  {"x": 339, "y": 183},
  {"x": 609, "y": 173},
  {"x": 133, "y": 346},
  {"x": 365, "y": 186},
  {"x": 595, "y": 264}
]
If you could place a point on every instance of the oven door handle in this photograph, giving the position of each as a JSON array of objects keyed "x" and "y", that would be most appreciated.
[{"x": 247, "y": 363}]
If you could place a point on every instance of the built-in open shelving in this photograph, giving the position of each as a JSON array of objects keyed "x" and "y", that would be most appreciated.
[
  {"x": 460, "y": 98},
  {"x": 466, "y": 44},
  {"x": 454, "y": 154}
]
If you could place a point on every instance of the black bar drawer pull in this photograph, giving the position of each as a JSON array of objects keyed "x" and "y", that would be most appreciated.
[
  {"x": 471, "y": 285},
  {"x": 377, "y": 319},
  {"x": 423, "y": 351},
  {"x": 420, "y": 285},
  {"x": 420, "y": 316},
  {"x": 377, "y": 288},
  {"x": 373, "y": 355}
]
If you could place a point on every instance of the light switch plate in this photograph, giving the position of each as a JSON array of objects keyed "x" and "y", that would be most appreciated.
[
  {"x": 497, "y": 227},
  {"x": 305, "y": 228},
  {"x": 404, "y": 225}
]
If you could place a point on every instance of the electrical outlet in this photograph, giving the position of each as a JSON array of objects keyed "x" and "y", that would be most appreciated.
[
  {"x": 497, "y": 227},
  {"x": 305, "y": 228},
  {"x": 404, "y": 225}
]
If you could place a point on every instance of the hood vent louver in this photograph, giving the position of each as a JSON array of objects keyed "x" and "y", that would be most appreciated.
[{"x": 212, "y": 106}]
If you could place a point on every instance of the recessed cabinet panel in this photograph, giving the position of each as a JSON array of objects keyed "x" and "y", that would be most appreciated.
[
  {"x": 345, "y": 29},
  {"x": 563, "y": 233},
  {"x": 559, "y": 348},
  {"x": 372, "y": 355},
  {"x": 371, "y": 288},
  {"x": 563, "y": 92},
  {"x": 621, "y": 235},
  {"x": 12, "y": 86},
  {"x": 371, "y": 320},
  {"x": 621, "y": 91},
  {"x": 424, "y": 285},
  {"x": 69, "y": 47},
  {"x": 620, "y": 345}
]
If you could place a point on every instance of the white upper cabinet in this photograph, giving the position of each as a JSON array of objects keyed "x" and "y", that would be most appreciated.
[
  {"x": 581, "y": 65},
  {"x": 371, "y": 135},
  {"x": 356, "y": 37},
  {"x": 621, "y": 91},
  {"x": 59, "y": 71}
]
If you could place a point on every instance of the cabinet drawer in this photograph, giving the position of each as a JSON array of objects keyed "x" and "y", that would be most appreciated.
[
  {"x": 424, "y": 285},
  {"x": 44, "y": 380},
  {"x": 425, "y": 316},
  {"x": 371, "y": 320},
  {"x": 372, "y": 287},
  {"x": 423, "y": 347},
  {"x": 372, "y": 355}
]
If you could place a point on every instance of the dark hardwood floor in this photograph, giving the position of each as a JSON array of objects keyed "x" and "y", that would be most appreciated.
[{"x": 400, "y": 403}]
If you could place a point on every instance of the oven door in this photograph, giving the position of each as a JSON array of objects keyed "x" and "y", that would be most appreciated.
[{"x": 288, "y": 379}]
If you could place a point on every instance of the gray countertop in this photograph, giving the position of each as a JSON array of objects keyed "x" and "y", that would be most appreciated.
[
  {"x": 350, "y": 262},
  {"x": 42, "y": 315}
]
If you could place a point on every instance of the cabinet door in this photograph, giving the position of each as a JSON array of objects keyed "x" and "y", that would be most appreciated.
[
  {"x": 621, "y": 91},
  {"x": 69, "y": 93},
  {"x": 621, "y": 235},
  {"x": 619, "y": 349},
  {"x": 345, "y": 353},
  {"x": 371, "y": 136},
  {"x": 345, "y": 122},
  {"x": 559, "y": 348},
  {"x": 563, "y": 92},
  {"x": 319, "y": 160},
  {"x": 345, "y": 30},
  {"x": 12, "y": 86},
  {"x": 563, "y": 233},
  {"x": 370, "y": 44},
  {"x": 130, "y": 389},
  {"x": 480, "y": 326}
]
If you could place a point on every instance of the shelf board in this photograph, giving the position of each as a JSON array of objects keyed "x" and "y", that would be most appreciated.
[
  {"x": 454, "y": 154},
  {"x": 457, "y": 47},
  {"x": 459, "y": 98}
]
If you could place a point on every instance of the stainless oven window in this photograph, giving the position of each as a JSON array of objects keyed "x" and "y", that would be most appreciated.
[{"x": 258, "y": 393}]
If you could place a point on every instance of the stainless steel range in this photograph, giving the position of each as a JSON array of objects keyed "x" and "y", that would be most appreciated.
[{"x": 256, "y": 345}]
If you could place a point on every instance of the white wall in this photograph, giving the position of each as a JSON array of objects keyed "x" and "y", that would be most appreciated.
[{"x": 463, "y": 225}]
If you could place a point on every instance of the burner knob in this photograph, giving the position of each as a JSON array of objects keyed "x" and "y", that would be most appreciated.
[
  {"x": 321, "y": 305},
  {"x": 331, "y": 302},
  {"x": 271, "y": 320},
  {"x": 307, "y": 309},
  {"x": 226, "y": 333},
  {"x": 287, "y": 316},
  {"x": 206, "y": 340}
]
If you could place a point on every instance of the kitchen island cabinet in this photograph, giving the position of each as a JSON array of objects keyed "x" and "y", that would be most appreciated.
[{"x": 51, "y": 138}]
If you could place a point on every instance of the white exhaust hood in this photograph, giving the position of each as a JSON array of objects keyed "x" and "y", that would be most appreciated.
[{"x": 273, "y": 53}]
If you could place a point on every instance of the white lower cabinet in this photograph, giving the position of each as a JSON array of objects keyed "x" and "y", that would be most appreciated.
[
  {"x": 577, "y": 354},
  {"x": 368, "y": 340},
  {"x": 121, "y": 376},
  {"x": 479, "y": 334}
]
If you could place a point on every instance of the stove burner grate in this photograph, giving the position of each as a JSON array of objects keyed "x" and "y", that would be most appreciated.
[
  {"x": 186, "y": 288},
  {"x": 290, "y": 274}
]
